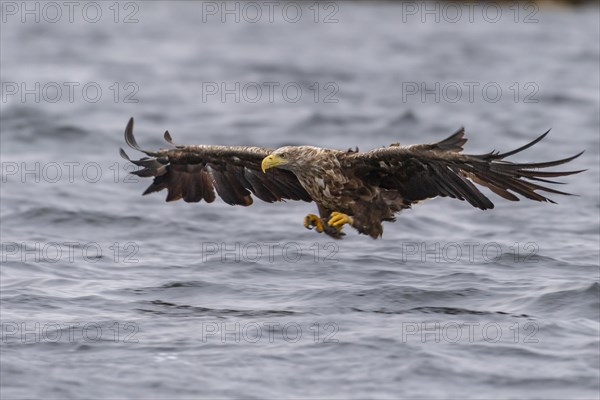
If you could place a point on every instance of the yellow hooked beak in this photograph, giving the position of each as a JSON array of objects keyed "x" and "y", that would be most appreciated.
[{"x": 271, "y": 161}]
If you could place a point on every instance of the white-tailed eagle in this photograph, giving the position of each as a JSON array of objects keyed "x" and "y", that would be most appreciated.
[{"x": 361, "y": 189}]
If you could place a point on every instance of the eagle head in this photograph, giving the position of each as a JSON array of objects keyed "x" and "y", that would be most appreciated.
[{"x": 288, "y": 157}]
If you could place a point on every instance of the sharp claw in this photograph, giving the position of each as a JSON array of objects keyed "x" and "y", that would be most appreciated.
[
  {"x": 307, "y": 222},
  {"x": 311, "y": 221}
]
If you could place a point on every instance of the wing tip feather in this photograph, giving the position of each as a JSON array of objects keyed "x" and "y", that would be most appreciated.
[
  {"x": 129, "y": 138},
  {"x": 168, "y": 138},
  {"x": 454, "y": 142},
  {"x": 500, "y": 156},
  {"x": 123, "y": 154}
]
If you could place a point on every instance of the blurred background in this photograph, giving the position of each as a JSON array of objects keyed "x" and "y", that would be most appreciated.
[{"x": 107, "y": 294}]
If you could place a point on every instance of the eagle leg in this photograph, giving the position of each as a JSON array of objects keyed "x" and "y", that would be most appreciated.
[
  {"x": 312, "y": 221},
  {"x": 338, "y": 220},
  {"x": 334, "y": 232}
]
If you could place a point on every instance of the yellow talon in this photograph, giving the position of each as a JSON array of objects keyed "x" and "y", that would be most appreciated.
[
  {"x": 312, "y": 221},
  {"x": 338, "y": 220}
]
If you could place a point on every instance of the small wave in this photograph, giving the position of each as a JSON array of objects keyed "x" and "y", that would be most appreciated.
[
  {"x": 55, "y": 215},
  {"x": 440, "y": 310},
  {"x": 25, "y": 124},
  {"x": 172, "y": 309},
  {"x": 317, "y": 120},
  {"x": 580, "y": 302},
  {"x": 408, "y": 117}
]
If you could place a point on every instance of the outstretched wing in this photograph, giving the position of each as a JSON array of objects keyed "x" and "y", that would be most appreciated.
[
  {"x": 193, "y": 173},
  {"x": 421, "y": 172}
]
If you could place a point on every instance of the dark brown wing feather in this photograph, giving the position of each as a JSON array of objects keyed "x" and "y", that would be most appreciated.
[
  {"x": 194, "y": 173},
  {"x": 420, "y": 172}
]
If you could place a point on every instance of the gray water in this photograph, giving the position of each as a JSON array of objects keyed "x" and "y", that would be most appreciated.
[{"x": 108, "y": 294}]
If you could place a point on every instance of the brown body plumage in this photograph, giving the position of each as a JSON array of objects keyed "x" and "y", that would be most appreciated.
[{"x": 368, "y": 187}]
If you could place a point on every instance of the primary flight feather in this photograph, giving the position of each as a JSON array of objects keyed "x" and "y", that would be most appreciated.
[{"x": 361, "y": 189}]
